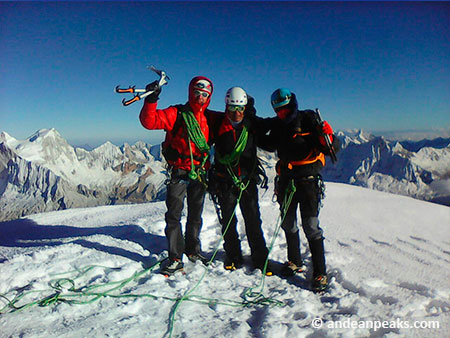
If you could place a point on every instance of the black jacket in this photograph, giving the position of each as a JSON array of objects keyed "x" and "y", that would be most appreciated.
[
  {"x": 296, "y": 142},
  {"x": 225, "y": 136}
]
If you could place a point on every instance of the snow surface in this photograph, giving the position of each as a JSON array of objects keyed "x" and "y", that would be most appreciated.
[{"x": 387, "y": 255}]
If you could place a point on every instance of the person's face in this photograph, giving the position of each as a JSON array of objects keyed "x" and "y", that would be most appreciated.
[
  {"x": 283, "y": 112},
  {"x": 200, "y": 96},
  {"x": 235, "y": 113}
]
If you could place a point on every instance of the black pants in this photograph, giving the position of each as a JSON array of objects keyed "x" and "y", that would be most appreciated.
[
  {"x": 177, "y": 190},
  {"x": 307, "y": 196},
  {"x": 252, "y": 219}
]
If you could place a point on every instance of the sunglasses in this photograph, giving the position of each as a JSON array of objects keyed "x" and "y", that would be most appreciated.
[
  {"x": 239, "y": 109},
  {"x": 281, "y": 100},
  {"x": 197, "y": 93}
]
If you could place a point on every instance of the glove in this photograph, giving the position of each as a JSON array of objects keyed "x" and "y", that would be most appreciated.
[
  {"x": 325, "y": 130},
  {"x": 250, "y": 107},
  {"x": 153, "y": 97}
]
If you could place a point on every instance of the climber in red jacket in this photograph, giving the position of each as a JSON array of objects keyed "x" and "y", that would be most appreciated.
[{"x": 186, "y": 150}]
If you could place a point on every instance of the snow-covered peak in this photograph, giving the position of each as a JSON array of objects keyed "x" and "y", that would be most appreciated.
[
  {"x": 10, "y": 141},
  {"x": 5, "y": 137},
  {"x": 400, "y": 150},
  {"x": 366, "y": 160},
  {"x": 108, "y": 149},
  {"x": 43, "y": 134},
  {"x": 356, "y": 136},
  {"x": 107, "y": 155},
  {"x": 434, "y": 160},
  {"x": 141, "y": 145},
  {"x": 363, "y": 136},
  {"x": 47, "y": 146}
]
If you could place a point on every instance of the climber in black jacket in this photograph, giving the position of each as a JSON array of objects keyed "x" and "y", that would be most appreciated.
[
  {"x": 298, "y": 136},
  {"x": 236, "y": 173}
]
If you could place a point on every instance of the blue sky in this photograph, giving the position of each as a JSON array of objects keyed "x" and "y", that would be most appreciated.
[{"x": 380, "y": 66}]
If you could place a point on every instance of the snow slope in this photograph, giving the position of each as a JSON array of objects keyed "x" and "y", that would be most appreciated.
[{"x": 388, "y": 258}]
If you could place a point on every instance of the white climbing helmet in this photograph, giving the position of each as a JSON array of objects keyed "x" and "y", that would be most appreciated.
[{"x": 236, "y": 96}]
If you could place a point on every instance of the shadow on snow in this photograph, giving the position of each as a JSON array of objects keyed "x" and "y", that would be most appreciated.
[{"x": 27, "y": 233}]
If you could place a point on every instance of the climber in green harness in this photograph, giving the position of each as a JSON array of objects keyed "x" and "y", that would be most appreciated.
[{"x": 234, "y": 177}]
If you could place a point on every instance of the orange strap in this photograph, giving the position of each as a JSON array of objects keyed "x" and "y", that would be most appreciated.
[
  {"x": 311, "y": 158},
  {"x": 300, "y": 134}
]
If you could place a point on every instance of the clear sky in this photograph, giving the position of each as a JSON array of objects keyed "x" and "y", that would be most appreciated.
[{"x": 378, "y": 66}]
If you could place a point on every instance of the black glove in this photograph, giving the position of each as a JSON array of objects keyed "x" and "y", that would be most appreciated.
[
  {"x": 250, "y": 106},
  {"x": 153, "y": 97}
]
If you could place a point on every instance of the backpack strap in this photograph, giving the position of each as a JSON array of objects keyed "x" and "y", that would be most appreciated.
[{"x": 179, "y": 121}]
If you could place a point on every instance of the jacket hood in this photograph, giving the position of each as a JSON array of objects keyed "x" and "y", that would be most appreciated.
[{"x": 196, "y": 107}]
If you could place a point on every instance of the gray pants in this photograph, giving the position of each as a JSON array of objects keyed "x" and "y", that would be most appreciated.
[{"x": 177, "y": 191}]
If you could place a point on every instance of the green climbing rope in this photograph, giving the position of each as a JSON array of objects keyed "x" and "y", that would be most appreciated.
[
  {"x": 196, "y": 135},
  {"x": 195, "y": 132},
  {"x": 251, "y": 296},
  {"x": 70, "y": 295},
  {"x": 64, "y": 290},
  {"x": 232, "y": 159}
]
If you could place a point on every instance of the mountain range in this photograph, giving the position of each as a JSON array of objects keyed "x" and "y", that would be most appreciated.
[
  {"x": 45, "y": 173},
  {"x": 417, "y": 169}
]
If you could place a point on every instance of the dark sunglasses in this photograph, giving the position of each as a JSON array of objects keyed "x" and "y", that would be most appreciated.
[
  {"x": 282, "y": 99},
  {"x": 236, "y": 108}
]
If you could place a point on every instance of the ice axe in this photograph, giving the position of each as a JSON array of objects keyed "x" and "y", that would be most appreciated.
[
  {"x": 327, "y": 139},
  {"x": 163, "y": 79}
]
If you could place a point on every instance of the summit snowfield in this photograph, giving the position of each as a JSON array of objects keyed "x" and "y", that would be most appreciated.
[{"x": 387, "y": 255}]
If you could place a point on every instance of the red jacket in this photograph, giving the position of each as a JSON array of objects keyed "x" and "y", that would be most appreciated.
[{"x": 176, "y": 147}]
